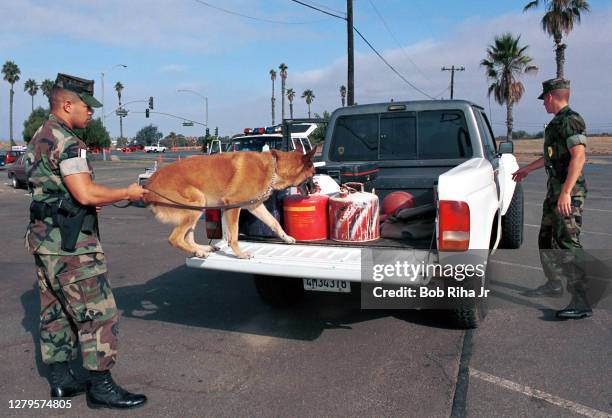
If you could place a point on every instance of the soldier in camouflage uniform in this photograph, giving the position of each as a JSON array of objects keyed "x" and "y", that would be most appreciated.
[
  {"x": 77, "y": 304},
  {"x": 561, "y": 253}
]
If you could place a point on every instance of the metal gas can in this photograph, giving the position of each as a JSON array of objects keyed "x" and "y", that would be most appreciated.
[
  {"x": 306, "y": 217},
  {"x": 353, "y": 214}
]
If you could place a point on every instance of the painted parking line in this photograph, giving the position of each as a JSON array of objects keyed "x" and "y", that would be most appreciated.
[
  {"x": 507, "y": 263},
  {"x": 585, "y": 209},
  {"x": 538, "y": 394},
  {"x": 582, "y": 232}
]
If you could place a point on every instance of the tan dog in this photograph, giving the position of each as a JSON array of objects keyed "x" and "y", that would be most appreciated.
[{"x": 224, "y": 179}]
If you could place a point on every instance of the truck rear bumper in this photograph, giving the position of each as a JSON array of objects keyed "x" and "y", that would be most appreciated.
[{"x": 303, "y": 261}]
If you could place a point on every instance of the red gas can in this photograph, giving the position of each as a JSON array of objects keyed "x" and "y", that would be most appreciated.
[
  {"x": 353, "y": 215},
  {"x": 306, "y": 217}
]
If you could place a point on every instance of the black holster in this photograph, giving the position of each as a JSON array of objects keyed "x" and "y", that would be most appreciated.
[{"x": 71, "y": 218}]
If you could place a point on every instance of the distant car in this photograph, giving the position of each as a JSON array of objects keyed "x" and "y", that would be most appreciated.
[
  {"x": 155, "y": 148},
  {"x": 12, "y": 156},
  {"x": 17, "y": 173},
  {"x": 132, "y": 148}
]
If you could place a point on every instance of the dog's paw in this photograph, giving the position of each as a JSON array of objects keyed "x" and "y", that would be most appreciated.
[
  {"x": 244, "y": 255},
  {"x": 288, "y": 239},
  {"x": 200, "y": 253}
]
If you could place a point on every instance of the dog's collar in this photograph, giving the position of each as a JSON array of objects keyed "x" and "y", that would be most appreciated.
[{"x": 273, "y": 179}]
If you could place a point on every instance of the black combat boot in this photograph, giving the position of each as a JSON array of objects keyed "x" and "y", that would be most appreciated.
[
  {"x": 63, "y": 382},
  {"x": 578, "y": 308},
  {"x": 103, "y": 392},
  {"x": 550, "y": 289}
]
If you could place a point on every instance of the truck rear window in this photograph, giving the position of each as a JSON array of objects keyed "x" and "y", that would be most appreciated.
[{"x": 434, "y": 134}]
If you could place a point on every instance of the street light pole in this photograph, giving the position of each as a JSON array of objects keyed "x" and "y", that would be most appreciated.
[
  {"x": 202, "y": 96},
  {"x": 102, "y": 78}
]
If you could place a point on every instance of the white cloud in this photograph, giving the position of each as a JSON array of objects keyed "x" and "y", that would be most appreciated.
[{"x": 172, "y": 69}]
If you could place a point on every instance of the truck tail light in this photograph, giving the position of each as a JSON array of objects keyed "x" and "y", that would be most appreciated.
[
  {"x": 213, "y": 223},
  {"x": 454, "y": 226}
]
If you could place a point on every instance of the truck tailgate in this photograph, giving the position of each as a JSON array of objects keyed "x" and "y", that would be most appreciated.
[{"x": 304, "y": 261}]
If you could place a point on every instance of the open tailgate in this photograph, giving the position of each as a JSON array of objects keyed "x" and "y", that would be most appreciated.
[{"x": 302, "y": 260}]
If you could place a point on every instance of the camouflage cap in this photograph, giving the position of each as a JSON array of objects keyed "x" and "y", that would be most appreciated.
[
  {"x": 553, "y": 84},
  {"x": 83, "y": 88}
]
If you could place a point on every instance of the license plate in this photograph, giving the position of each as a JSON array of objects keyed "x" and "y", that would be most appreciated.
[{"x": 326, "y": 285}]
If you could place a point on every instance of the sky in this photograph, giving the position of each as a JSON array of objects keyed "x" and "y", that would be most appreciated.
[{"x": 226, "y": 55}]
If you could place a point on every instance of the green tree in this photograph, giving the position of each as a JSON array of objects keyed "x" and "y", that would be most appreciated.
[
  {"x": 283, "y": 75},
  {"x": 46, "y": 86},
  {"x": 11, "y": 74},
  {"x": 148, "y": 135},
  {"x": 318, "y": 136},
  {"x": 33, "y": 122},
  {"x": 343, "y": 95},
  {"x": 119, "y": 89},
  {"x": 506, "y": 62},
  {"x": 559, "y": 19},
  {"x": 31, "y": 88},
  {"x": 290, "y": 97},
  {"x": 309, "y": 96},
  {"x": 273, "y": 78},
  {"x": 96, "y": 135}
]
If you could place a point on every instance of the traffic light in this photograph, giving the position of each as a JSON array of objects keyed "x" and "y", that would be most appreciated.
[
  {"x": 147, "y": 113},
  {"x": 207, "y": 132},
  {"x": 217, "y": 131},
  {"x": 151, "y": 103}
]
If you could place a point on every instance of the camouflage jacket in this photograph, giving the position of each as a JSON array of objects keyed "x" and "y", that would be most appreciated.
[
  {"x": 566, "y": 130},
  {"x": 46, "y": 163}
]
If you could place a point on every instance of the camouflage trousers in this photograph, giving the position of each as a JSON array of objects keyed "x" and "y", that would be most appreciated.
[
  {"x": 77, "y": 308},
  {"x": 561, "y": 253}
]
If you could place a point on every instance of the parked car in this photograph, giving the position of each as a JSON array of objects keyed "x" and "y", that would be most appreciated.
[
  {"x": 12, "y": 156},
  {"x": 17, "y": 173}
]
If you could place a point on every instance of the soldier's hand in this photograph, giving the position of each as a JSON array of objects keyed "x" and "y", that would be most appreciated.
[
  {"x": 564, "y": 204},
  {"x": 519, "y": 175},
  {"x": 136, "y": 192}
]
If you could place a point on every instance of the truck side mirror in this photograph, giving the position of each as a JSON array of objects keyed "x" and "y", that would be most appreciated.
[{"x": 506, "y": 147}]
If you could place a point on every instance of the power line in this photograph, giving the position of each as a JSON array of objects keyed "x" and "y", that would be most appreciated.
[
  {"x": 396, "y": 41},
  {"x": 317, "y": 9},
  {"x": 328, "y": 8},
  {"x": 258, "y": 19},
  {"x": 390, "y": 66}
]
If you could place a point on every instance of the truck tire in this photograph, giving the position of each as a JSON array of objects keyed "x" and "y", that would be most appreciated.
[
  {"x": 14, "y": 182},
  {"x": 279, "y": 292},
  {"x": 473, "y": 312},
  {"x": 512, "y": 221}
]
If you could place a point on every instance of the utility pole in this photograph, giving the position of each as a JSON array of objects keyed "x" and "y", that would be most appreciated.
[
  {"x": 350, "y": 91},
  {"x": 452, "y": 70}
]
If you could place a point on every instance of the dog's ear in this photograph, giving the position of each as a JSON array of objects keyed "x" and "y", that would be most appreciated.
[
  {"x": 299, "y": 148},
  {"x": 309, "y": 155}
]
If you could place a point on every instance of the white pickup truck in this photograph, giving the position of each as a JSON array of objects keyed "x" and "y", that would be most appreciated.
[
  {"x": 155, "y": 148},
  {"x": 439, "y": 151}
]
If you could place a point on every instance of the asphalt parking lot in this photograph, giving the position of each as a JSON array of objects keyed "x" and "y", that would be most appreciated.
[{"x": 202, "y": 343}]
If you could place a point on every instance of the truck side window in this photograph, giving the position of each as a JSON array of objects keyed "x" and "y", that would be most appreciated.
[
  {"x": 488, "y": 142},
  {"x": 398, "y": 136},
  {"x": 443, "y": 134},
  {"x": 355, "y": 138}
]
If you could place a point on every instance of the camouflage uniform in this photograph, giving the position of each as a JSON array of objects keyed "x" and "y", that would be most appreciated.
[
  {"x": 561, "y": 253},
  {"x": 77, "y": 304}
]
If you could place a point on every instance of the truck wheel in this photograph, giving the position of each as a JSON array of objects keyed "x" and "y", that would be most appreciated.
[
  {"x": 512, "y": 221},
  {"x": 472, "y": 313},
  {"x": 14, "y": 182},
  {"x": 279, "y": 292}
]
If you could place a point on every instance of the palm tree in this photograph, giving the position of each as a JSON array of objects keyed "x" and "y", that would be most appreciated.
[
  {"x": 11, "y": 74},
  {"x": 290, "y": 97},
  {"x": 46, "y": 87},
  {"x": 32, "y": 88},
  {"x": 343, "y": 94},
  {"x": 309, "y": 96},
  {"x": 283, "y": 74},
  {"x": 118, "y": 89},
  {"x": 273, "y": 77},
  {"x": 506, "y": 61},
  {"x": 559, "y": 19}
]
